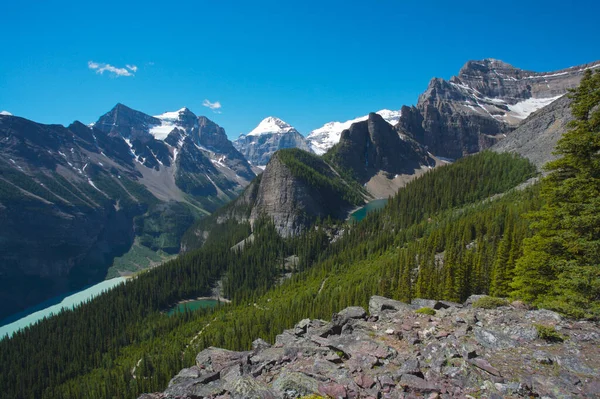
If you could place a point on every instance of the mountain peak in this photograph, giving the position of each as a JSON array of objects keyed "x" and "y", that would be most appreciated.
[
  {"x": 484, "y": 66},
  {"x": 175, "y": 115},
  {"x": 325, "y": 137},
  {"x": 5, "y": 113},
  {"x": 271, "y": 125}
]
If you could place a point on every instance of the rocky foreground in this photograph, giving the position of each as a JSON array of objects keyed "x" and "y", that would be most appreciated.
[{"x": 397, "y": 352}]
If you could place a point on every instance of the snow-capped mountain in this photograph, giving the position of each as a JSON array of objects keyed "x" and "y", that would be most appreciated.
[
  {"x": 271, "y": 125},
  {"x": 5, "y": 113},
  {"x": 482, "y": 104},
  {"x": 180, "y": 119},
  {"x": 179, "y": 152},
  {"x": 270, "y": 135},
  {"x": 328, "y": 135},
  {"x": 156, "y": 141}
]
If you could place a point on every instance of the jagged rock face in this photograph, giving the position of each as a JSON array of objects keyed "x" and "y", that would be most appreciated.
[
  {"x": 64, "y": 211},
  {"x": 271, "y": 135},
  {"x": 196, "y": 174},
  {"x": 497, "y": 79},
  {"x": 126, "y": 122},
  {"x": 537, "y": 136},
  {"x": 374, "y": 145},
  {"x": 325, "y": 137},
  {"x": 290, "y": 202},
  {"x": 395, "y": 352},
  {"x": 474, "y": 110},
  {"x": 213, "y": 137},
  {"x": 157, "y": 141}
]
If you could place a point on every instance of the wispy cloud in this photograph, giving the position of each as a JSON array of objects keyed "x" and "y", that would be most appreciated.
[
  {"x": 101, "y": 67},
  {"x": 215, "y": 107}
]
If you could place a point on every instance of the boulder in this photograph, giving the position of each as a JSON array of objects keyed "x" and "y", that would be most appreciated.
[{"x": 379, "y": 304}]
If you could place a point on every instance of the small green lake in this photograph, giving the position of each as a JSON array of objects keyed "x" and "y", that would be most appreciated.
[
  {"x": 374, "y": 205},
  {"x": 193, "y": 305}
]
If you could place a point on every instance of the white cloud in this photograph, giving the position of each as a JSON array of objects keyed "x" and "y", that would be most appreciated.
[
  {"x": 215, "y": 107},
  {"x": 101, "y": 67}
]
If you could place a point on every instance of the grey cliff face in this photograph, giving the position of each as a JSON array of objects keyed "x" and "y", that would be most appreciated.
[
  {"x": 374, "y": 145},
  {"x": 258, "y": 150},
  {"x": 394, "y": 352},
  {"x": 488, "y": 98},
  {"x": 290, "y": 202}
]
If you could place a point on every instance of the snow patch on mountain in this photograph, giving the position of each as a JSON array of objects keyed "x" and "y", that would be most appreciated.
[
  {"x": 271, "y": 125},
  {"x": 169, "y": 121},
  {"x": 496, "y": 107},
  {"x": 325, "y": 137},
  {"x": 523, "y": 109},
  {"x": 5, "y": 113}
]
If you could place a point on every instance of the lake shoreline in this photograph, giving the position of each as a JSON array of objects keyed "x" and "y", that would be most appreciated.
[{"x": 204, "y": 298}]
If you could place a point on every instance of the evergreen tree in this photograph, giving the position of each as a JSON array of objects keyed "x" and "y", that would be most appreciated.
[{"x": 560, "y": 267}]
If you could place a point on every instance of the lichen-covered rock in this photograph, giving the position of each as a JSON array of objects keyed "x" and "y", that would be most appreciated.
[{"x": 460, "y": 352}]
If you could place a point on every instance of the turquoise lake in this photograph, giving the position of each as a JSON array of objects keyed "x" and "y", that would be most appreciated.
[
  {"x": 374, "y": 205},
  {"x": 68, "y": 302},
  {"x": 193, "y": 305}
]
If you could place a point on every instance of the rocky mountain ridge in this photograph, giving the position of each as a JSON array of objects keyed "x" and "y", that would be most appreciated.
[
  {"x": 379, "y": 156},
  {"x": 328, "y": 135},
  {"x": 433, "y": 349},
  {"x": 271, "y": 134},
  {"x": 155, "y": 142},
  {"x": 474, "y": 110}
]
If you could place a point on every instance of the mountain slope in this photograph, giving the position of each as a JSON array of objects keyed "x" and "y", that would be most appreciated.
[
  {"x": 536, "y": 137},
  {"x": 376, "y": 155},
  {"x": 73, "y": 199},
  {"x": 371, "y": 258},
  {"x": 325, "y": 137},
  {"x": 69, "y": 202},
  {"x": 270, "y": 135},
  {"x": 488, "y": 98}
]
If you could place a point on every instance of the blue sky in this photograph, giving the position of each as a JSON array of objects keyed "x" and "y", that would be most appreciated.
[{"x": 307, "y": 62}]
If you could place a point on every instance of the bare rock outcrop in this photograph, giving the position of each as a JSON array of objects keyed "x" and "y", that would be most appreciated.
[
  {"x": 459, "y": 352},
  {"x": 487, "y": 100}
]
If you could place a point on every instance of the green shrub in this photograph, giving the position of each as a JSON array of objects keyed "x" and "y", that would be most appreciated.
[
  {"x": 548, "y": 333},
  {"x": 490, "y": 302},
  {"x": 426, "y": 310}
]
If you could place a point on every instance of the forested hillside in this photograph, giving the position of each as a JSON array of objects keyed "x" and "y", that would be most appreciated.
[{"x": 412, "y": 248}]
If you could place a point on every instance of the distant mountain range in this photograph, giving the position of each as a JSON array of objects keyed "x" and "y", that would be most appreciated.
[
  {"x": 271, "y": 134},
  {"x": 72, "y": 199}
]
